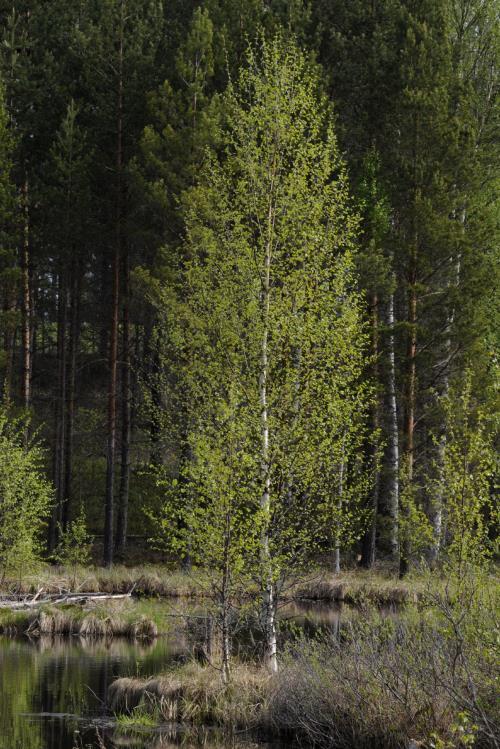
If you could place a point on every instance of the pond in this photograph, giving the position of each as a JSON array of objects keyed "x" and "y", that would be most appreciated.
[{"x": 53, "y": 689}]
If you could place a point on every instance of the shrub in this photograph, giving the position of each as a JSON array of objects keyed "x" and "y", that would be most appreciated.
[
  {"x": 390, "y": 683},
  {"x": 25, "y": 498}
]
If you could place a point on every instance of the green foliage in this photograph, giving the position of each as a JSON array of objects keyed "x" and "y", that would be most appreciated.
[
  {"x": 75, "y": 545},
  {"x": 466, "y": 478},
  {"x": 25, "y": 498},
  {"x": 373, "y": 259},
  {"x": 276, "y": 200},
  {"x": 415, "y": 528}
]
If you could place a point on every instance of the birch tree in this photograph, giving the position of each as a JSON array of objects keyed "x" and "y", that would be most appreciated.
[{"x": 273, "y": 322}]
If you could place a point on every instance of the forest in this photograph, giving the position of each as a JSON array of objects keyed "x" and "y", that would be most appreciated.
[{"x": 249, "y": 278}]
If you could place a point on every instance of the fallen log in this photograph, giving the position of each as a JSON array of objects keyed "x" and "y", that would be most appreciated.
[{"x": 80, "y": 599}]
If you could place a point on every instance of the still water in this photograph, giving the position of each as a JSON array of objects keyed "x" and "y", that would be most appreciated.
[{"x": 52, "y": 690}]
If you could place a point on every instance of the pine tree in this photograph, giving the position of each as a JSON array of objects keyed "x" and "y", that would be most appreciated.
[
  {"x": 66, "y": 229},
  {"x": 374, "y": 264},
  {"x": 9, "y": 274},
  {"x": 118, "y": 43},
  {"x": 424, "y": 197},
  {"x": 184, "y": 120}
]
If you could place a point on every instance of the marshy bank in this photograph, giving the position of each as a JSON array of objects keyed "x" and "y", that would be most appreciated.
[
  {"x": 355, "y": 586},
  {"x": 99, "y": 621},
  {"x": 349, "y": 677},
  {"x": 386, "y": 683}
]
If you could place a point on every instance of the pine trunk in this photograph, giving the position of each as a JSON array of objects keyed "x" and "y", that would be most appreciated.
[
  {"x": 59, "y": 413},
  {"x": 9, "y": 349},
  {"x": 115, "y": 309},
  {"x": 369, "y": 545},
  {"x": 70, "y": 396},
  {"x": 410, "y": 400},
  {"x": 123, "y": 497},
  {"x": 26, "y": 301}
]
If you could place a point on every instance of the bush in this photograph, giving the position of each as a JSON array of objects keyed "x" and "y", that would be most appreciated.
[
  {"x": 75, "y": 546},
  {"x": 388, "y": 683},
  {"x": 25, "y": 498}
]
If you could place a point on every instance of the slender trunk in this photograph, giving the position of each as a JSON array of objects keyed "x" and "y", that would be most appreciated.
[
  {"x": 268, "y": 587},
  {"x": 368, "y": 550},
  {"x": 100, "y": 335},
  {"x": 115, "y": 307},
  {"x": 226, "y": 643},
  {"x": 393, "y": 437},
  {"x": 436, "y": 508},
  {"x": 339, "y": 510},
  {"x": 26, "y": 301},
  {"x": 411, "y": 365},
  {"x": 9, "y": 348},
  {"x": 121, "y": 527},
  {"x": 70, "y": 395},
  {"x": 59, "y": 413},
  {"x": 226, "y": 648},
  {"x": 186, "y": 458},
  {"x": 410, "y": 402},
  {"x": 296, "y": 362}
]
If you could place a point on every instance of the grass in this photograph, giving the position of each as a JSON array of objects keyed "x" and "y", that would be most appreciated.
[
  {"x": 195, "y": 694},
  {"x": 355, "y": 586},
  {"x": 74, "y": 620},
  {"x": 145, "y": 580},
  {"x": 13, "y": 622},
  {"x": 383, "y": 684},
  {"x": 137, "y": 719}
]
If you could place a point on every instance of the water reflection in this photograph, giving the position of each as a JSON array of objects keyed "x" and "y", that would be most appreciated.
[
  {"x": 52, "y": 693},
  {"x": 52, "y": 690},
  {"x": 48, "y": 686}
]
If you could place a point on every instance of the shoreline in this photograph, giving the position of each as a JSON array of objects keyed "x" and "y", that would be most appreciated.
[{"x": 355, "y": 587}]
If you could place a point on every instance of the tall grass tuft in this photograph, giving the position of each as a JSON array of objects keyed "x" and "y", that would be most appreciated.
[{"x": 196, "y": 694}]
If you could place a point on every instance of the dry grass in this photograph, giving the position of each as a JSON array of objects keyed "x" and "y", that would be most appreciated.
[
  {"x": 196, "y": 694},
  {"x": 358, "y": 588},
  {"x": 145, "y": 580},
  {"x": 73, "y": 620}
]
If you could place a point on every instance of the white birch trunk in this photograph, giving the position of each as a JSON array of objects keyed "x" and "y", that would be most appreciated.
[
  {"x": 437, "y": 508},
  {"x": 268, "y": 587},
  {"x": 339, "y": 508},
  {"x": 393, "y": 437}
]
